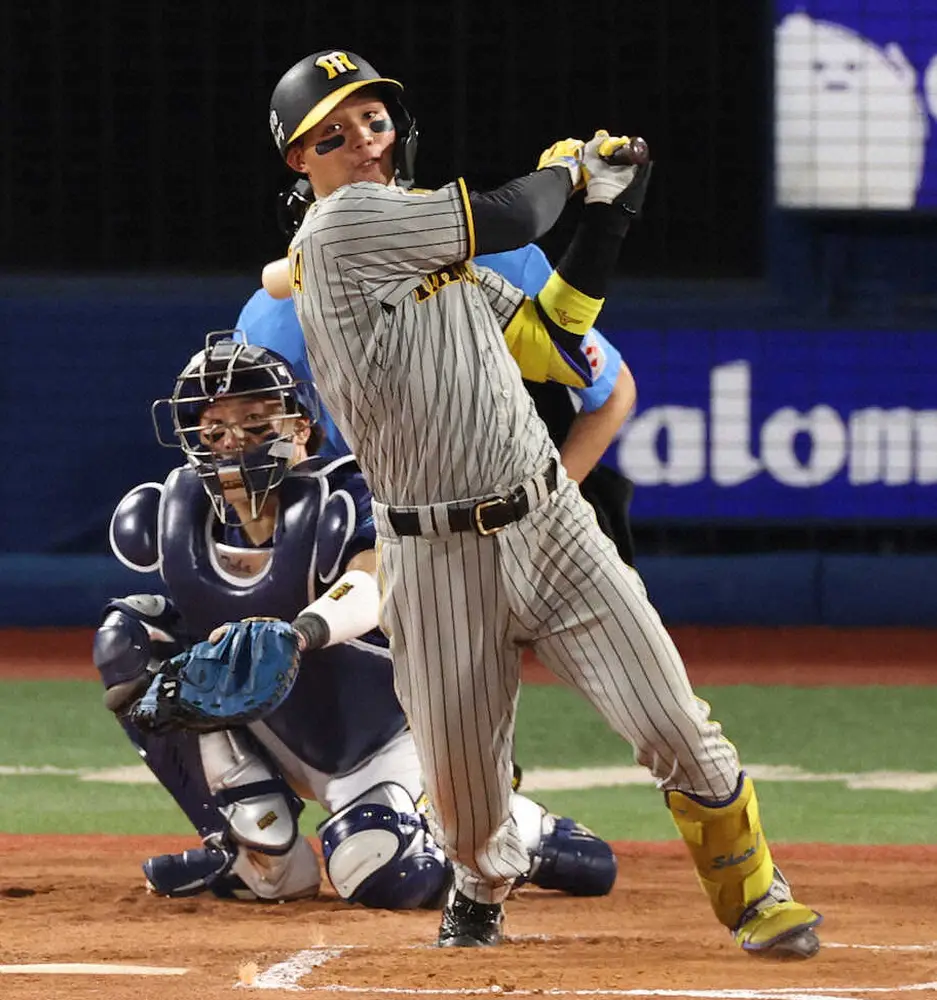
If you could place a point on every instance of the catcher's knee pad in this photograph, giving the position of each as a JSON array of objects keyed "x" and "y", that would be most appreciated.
[
  {"x": 728, "y": 847},
  {"x": 136, "y": 633},
  {"x": 563, "y": 854},
  {"x": 379, "y": 853},
  {"x": 260, "y": 808}
]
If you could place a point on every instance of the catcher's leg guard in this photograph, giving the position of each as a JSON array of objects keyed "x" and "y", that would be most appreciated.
[
  {"x": 734, "y": 866},
  {"x": 272, "y": 859},
  {"x": 563, "y": 854},
  {"x": 255, "y": 850}
]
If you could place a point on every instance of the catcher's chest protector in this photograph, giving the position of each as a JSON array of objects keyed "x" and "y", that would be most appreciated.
[{"x": 202, "y": 590}]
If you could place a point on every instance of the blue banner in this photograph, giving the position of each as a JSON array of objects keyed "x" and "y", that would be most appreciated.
[
  {"x": 855, "y": 104},
  {"x": 792, "y": 426}
]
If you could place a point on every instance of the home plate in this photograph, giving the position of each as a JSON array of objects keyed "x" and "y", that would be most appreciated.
[{"x": 89, "y": 969}]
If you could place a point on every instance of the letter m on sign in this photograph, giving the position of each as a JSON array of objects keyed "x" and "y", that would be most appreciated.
[{"x": 334, "y": 63}]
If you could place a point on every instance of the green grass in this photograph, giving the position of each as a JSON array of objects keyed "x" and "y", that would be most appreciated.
[
  {"x": 820, "y": 729},
  {"x": 64, "y": 724},
  {"x": 792, "y": 812}
]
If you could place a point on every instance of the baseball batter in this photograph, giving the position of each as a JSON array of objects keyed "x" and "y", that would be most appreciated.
[
  {"x": 582, "y": 422},
  {"x": 409, "y": 345}
]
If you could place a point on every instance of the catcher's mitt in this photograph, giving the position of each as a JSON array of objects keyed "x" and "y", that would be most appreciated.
[{"x": 211, "y": 686}]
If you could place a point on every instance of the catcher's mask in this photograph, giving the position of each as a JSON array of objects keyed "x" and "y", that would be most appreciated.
[
  {"x": 316, "y": 85},
  {"x": 231, "y": 370}
]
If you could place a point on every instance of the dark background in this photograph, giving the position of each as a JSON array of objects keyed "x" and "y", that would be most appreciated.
[
  {"x": 135, "y": 135},
  {"x": 138, "y": 183}
]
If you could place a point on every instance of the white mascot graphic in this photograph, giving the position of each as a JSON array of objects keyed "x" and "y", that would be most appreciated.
[
  {"x": 850, "y": 127},
  {"x": 930, "y": 86}
]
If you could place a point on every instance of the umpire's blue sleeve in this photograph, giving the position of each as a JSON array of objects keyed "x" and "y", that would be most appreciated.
[
  {"x": 527, "y": 268},
  {"x": 270, "y": 322}
]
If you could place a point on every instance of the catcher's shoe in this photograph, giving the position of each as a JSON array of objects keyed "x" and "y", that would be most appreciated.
[
  {"x": 191, "y": 872},
  {"x": 777, "y": 926},
  {"x": 467, "y": 924}
]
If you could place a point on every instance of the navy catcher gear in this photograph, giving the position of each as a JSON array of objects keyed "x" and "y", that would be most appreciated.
[
  {"x": 215, "y": 686},
  {"x": 133, "y": 530},
  {"x": 136, "y": 634},
  {"x": 378, "y": 852},
  {"x": 574, "y": 860},
  {"x": 345, "y": 528},
  {"x": 258, "y": 853},
  {"x": 191, "y": 872},
  {"x": 316, "y": 85},
  {"x": 228, "y": 369}
]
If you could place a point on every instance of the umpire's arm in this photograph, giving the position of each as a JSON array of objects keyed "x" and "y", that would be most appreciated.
[{"x": 591, "y": 433}]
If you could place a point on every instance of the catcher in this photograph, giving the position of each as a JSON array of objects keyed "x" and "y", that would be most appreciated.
[{"x": 241, "y": 731}]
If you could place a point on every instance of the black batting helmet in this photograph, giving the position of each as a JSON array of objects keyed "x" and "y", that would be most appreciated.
[{"x": 308, "y": 91}]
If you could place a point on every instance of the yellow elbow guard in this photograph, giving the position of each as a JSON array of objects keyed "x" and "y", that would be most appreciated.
[
  {"x": 728, "y": 847},
  {"x": 567, "y": 307}
]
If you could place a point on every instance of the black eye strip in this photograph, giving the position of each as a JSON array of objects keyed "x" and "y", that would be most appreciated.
[
  {"x": 381, "y": 125},
  {"x": 327, "y": 145}
]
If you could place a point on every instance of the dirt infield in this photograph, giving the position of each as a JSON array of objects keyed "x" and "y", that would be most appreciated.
[
  {"x": 797, "y": 656},
  {"x": 81, "y": 899}
]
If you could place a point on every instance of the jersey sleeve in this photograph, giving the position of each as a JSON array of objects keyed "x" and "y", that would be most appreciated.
[{"x": 378, "y": 234}]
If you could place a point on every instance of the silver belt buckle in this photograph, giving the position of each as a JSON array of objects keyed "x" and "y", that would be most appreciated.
[{"x": 477, "y": 516}]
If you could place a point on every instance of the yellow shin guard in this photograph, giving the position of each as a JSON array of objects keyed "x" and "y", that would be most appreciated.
[{"x": 734, "y": 866}]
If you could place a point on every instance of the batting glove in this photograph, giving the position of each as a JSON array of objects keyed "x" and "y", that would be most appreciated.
[
  {"x": 565, "y": 153},
  {"x": 624, "y": 186}
]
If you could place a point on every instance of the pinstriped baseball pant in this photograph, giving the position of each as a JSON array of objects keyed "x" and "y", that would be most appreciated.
[{"x": 459, "y": 608}]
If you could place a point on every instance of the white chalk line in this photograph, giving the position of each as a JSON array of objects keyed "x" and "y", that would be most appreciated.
[
  {"x": 286, "y": 975},
  {"x": 88, "y": 969},
  {"x": 782, "y": 993}
]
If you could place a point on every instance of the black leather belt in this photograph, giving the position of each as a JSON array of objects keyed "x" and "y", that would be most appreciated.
[{"x": 486, "y": 516}]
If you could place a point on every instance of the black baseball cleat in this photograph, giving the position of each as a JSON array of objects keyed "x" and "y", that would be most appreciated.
[{"x": 467, "y": 924}]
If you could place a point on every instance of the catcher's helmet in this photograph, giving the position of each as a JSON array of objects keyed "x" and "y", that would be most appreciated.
[
  {"x": 308, "y": 91},
  {"x": 228, "y": 369}
]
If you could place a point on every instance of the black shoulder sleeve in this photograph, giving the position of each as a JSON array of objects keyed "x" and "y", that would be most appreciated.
[{"x": 520, "y": 211}]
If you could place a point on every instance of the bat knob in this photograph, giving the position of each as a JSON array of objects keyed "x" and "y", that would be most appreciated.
[{"x": 635, "y": 153}]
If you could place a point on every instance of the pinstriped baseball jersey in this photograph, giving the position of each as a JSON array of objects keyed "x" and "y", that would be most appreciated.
[
  {"x": 406, "y": 344},
  {"x": 408, "y": 358}
]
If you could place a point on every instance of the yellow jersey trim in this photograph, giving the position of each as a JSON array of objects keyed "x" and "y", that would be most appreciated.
[{"x": 469, "y": 218}]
